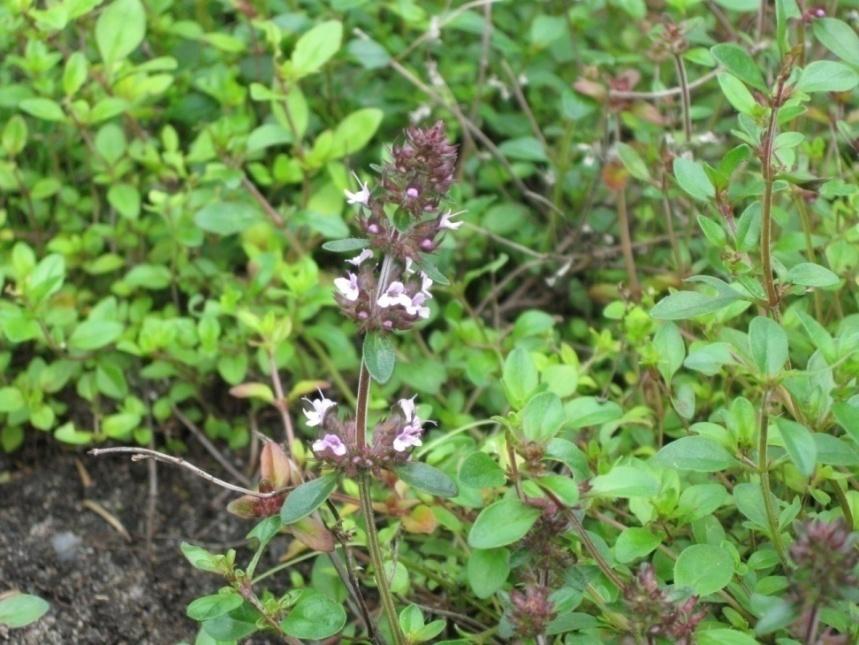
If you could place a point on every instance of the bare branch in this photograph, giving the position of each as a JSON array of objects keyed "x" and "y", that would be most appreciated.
[{"x": 138, "y": 454}]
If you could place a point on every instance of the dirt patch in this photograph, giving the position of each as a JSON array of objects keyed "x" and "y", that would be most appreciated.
[{"x": 103, "y": 588}]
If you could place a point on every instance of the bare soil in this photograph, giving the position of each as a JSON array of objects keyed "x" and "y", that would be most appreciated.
[{"x": 103, "y": 588}]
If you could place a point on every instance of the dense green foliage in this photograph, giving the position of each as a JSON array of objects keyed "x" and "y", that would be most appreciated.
[{"x": 642, "y": 362}]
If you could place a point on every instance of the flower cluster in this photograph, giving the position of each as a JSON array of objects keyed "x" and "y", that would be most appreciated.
[
  {"x": 392, "y": 442},
  {"x": 420, "y": 171},
  {"x": 826, "y": 558},
  {"x": 402, "y": 221},
  {"x": 398, "y": 307},
  {"x": 531, "y": 610},
  {"x": 654, "y": 613}
]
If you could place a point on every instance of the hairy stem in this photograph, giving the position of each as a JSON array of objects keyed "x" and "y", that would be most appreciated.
[
  {"x": 766, "y": 206},
  {"x": 376, "y": 558},
  {"x": 764, "y": 472},
  {"x": 682, "y": 79}
]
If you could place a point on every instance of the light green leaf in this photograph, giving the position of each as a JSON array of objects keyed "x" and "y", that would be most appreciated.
[
  {"x": 487, "y": 571},
  {"x": 633, "y": 162},
  {"x": 45, "y": 109},
  {"x": 809, "y": 274},
  {"x": 479, "y": 470},
  {"x": 314, "y": 617},
  {"x": 839, "y": 38},
  {"x": 693, "y": 179},
  {"x": 121, "y": 27},
  {"x": 768, "y": 345},
  {"x": 226, "y": 218},
  {"x": 355, "y": 131},
  {"x": 634, "y": 543},
  {"x": 21, "y": 609},
  {"x": 703, "y": 568},
  {"x": 740, "y": 63},
  {"x": 315, "y": 47},
  {"x": 737, "y": 94},
  {"x": 799, "y": 444},
  {"x": 827, "y": 76},
  {"x": 502, "y": 523},
  {"x": 698, "y": 454},
  {"x": 519, "y": 376},
  {"x": 94, "y": 334},
  {"x": 625, "y": 482}
]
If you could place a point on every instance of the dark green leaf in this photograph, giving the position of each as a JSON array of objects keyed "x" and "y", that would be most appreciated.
[
  {"x": 305, "y": 499},
  {"x": 379, "y": 356},
  {"x": 428, "y": 478}
]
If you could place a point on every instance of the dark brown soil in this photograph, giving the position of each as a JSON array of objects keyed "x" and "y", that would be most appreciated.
[{"x": 102, "y": 588}]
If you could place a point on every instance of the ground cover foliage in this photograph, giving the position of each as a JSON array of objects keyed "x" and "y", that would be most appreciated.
[{"x": 626, "y": 298}]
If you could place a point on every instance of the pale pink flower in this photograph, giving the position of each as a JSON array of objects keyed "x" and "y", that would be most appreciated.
[
  {"x": 446, "y": 221},
  {"x": 319, "y": 408},
  {"x": 348, "y": 286},
  {"x": 359, "y": 259},
  {"x": 361, "y": 197},
  {"x": 330, "y": 442}
]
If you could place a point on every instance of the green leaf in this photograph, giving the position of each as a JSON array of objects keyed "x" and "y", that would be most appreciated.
[
  {"x": 208, "y": 607},
  {"x": 426, "y": 477},
  {"x": 768, "y": 345},
  {"x": 634, "y": 543},
  {"x": 44, "y": 109},
  {"x": 67, "y": 433},
  {"x": 125, "y": 198},
  {"x": 519, "y": 376},
  {"x": 200, "y": 558},
  {"x": 21, "y": 609},
  {"x": 561, "y": 486},
  {"x": 693, "y": 179},
  {"x": 355, "y": 131},
  {"x": 502, "y": 523},
  {"x": 703, "y": 568},
  {"x": 625, "y": 482},
  {"x": 834, "y": 451},
  {"x": 75, "y": 73},
  {"x": 379, "y": 356},
  {"x": 827, "y": 76},
  {"x": 524, "y": 149},
  {"x": 94, "y": 334},
  {"x": 737, "y": 94},
  {"x": 633, "y": 162},
  {"x": 799, "y": 444},
  {"x": 839, "y": 38},
  {"x": 305, "y": 499},
  {"x": 669, "y": 346},
  {"x": 268, "y": 135},
  {"x": 314, "y": 617},
  {"x": 723, "y": 636},
  {"x": 226, "y": 218},
  {"x": 590, "y": 411},
  {"x": 740, "y": 63},
  {"x": 120, "y": 29},
  {"x": 698, "y": 454},
  {"x": 11, "y": 399},
  {"x": 232, "y": 627},
  {"x": 315, "y": 47},
  {"x": 682, "y": 305},
  {"x": 809, "y": 274},
  {"x": 848, "y": 418},
  {"x": 486, "y": 571},
  {"x": 346, "y": 245},
  {"x": 542, "y": 417},
  {"x": 15, "y": 135},
  {"x": 479, "y": 470}
]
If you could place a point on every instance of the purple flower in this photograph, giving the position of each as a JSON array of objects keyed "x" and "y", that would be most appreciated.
[
  {"x": 330, "y": 442},
  {"x": 411, "y": 433},
  {"x": 446, "y": 221},
  {"x": 319, "y": 408},
  {"x": 426, "y": 283},
  {"x": 416, "y": 307},
  {"x": 394, "y": 295},
  {"x": 348, "y": 287},
  {"x": 366, "y": 254},
  {"x": 361, "y": 197},
  {"x": 408, "y": 437}
]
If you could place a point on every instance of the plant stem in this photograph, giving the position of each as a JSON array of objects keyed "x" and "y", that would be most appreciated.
[
  {"x": 684, "y": 94},
  {"x": 376, "y": 557},
  {"x": 361, "y": 406},
  {"x": 766, "y": 206},
  {"x": 763, "y": 471}
]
